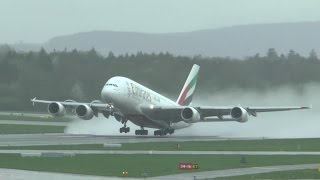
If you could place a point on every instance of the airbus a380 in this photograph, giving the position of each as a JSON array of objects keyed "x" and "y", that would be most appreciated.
[{"x": 128, "y": 100}]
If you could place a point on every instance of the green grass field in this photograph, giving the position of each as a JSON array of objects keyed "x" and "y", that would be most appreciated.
[
  {"x": 29, "y": 129},
  {"x": 227, "y": 145},
  {"x": 232, "y": 145},
  {"x": 296, "y": 174},
  {"x": 153, "y": 165}
]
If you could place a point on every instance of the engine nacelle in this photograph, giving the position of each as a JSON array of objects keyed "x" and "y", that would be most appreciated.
[
  {"x": 84, "y": 112},
  {"x": 56, "y": 109},
  {"x": 239, "y": 114},
  {"x": 190, "y": 114}
]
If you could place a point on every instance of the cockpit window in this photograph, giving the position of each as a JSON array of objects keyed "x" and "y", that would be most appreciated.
[{"x": 112, "y": 85}]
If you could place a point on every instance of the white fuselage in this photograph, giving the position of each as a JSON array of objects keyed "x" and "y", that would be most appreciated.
[{"x": 127, "y": 96}]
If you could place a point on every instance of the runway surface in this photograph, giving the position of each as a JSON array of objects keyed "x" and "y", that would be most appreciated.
[
  {"x": 61, "y": 139},
  {"x": 39, "y": 123},
  {"x": 12, "y": 174},
  {"x": 24, "y": 114}
]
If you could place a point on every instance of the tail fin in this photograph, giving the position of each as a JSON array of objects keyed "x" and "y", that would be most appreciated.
[{"x": 187, "y": 91}]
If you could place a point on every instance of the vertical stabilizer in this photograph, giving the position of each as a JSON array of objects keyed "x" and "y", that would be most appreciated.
[{"x": 186, "y": 94}]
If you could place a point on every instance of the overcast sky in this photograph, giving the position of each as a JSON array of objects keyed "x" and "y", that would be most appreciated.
[{"x": 39, "y": 20}]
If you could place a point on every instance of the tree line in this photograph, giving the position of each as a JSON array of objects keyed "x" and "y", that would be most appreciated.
[{"x": 80, "y": 75}]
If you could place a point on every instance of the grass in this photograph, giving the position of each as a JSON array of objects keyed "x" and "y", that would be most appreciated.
[
  {"x": 227, "y": 145},
  {"x": 232, "y": 145},
  {"x": 295, "y": 174},
  {"x": 153, "y": 165},
  {"x": 29, "y": 129}
]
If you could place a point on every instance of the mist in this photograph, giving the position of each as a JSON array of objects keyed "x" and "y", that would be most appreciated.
[{"x": 290, "y": 124}]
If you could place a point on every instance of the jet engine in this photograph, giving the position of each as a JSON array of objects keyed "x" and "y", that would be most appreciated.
[
  {"x": 190, "y": 114},
  {"x": 239, "y": 114},
  {"x": 84, "y": 112},
  {"x": 56, "y": 109}
]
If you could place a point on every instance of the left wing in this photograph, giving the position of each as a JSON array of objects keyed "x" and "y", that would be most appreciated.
[
  {"x": 173, "y": 114},
  {"x": 214, "y": 111}
]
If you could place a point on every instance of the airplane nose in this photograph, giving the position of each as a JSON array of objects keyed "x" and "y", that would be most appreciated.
[{"x": 106, "y": 93}]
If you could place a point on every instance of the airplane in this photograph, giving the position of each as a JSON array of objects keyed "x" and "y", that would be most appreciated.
[{"x": 128, "y": 100}]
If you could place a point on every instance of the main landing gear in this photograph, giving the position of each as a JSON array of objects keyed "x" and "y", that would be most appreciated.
[
  {"x": 124, "y": 129},
  {"x": 163, "y": 132},
  {"x": 141, "y": 131}
]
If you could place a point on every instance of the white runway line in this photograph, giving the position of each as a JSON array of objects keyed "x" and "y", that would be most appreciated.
[{"x": 291, "y": 153}]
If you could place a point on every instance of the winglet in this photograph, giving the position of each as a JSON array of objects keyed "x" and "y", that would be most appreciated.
[{"x": 306, "y": 107}]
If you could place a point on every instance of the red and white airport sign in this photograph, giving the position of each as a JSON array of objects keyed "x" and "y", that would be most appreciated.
[{"x": 188, "y": 166}]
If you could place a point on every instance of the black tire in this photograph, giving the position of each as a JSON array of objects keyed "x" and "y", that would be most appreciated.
[
  {"x": 138, "y": 132},
  {"x": 145, "y": 132},
  {"x": 156, "y": 133},
  {"x": 164, "y": 132}
]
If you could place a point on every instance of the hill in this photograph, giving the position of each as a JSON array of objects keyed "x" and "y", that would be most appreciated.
[{"x": 235, "y": 41}]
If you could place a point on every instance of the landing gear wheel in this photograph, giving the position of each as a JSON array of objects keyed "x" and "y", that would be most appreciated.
[
  {"x": 141, "y": 132},
  {"x": 163, "y": 132},
  {"x": 170, "y": 131},
  {"x": 124, "y": 129},
  {"x": 159, "y": 132}
]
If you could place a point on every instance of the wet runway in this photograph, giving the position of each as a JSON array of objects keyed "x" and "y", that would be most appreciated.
[
  {"x": 37, "y": 123},
  {"x": 61, "y": 138}
]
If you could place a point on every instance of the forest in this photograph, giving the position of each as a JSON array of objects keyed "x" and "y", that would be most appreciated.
[{"x": 80, "y": 75}]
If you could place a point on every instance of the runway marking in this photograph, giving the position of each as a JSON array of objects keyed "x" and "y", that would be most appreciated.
[{"x": 160, "y": 152}]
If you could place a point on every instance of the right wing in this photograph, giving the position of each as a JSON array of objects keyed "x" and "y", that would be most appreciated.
[
  {"x": 86, "y": 110},
  {"x": 73, "y": 104}
]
